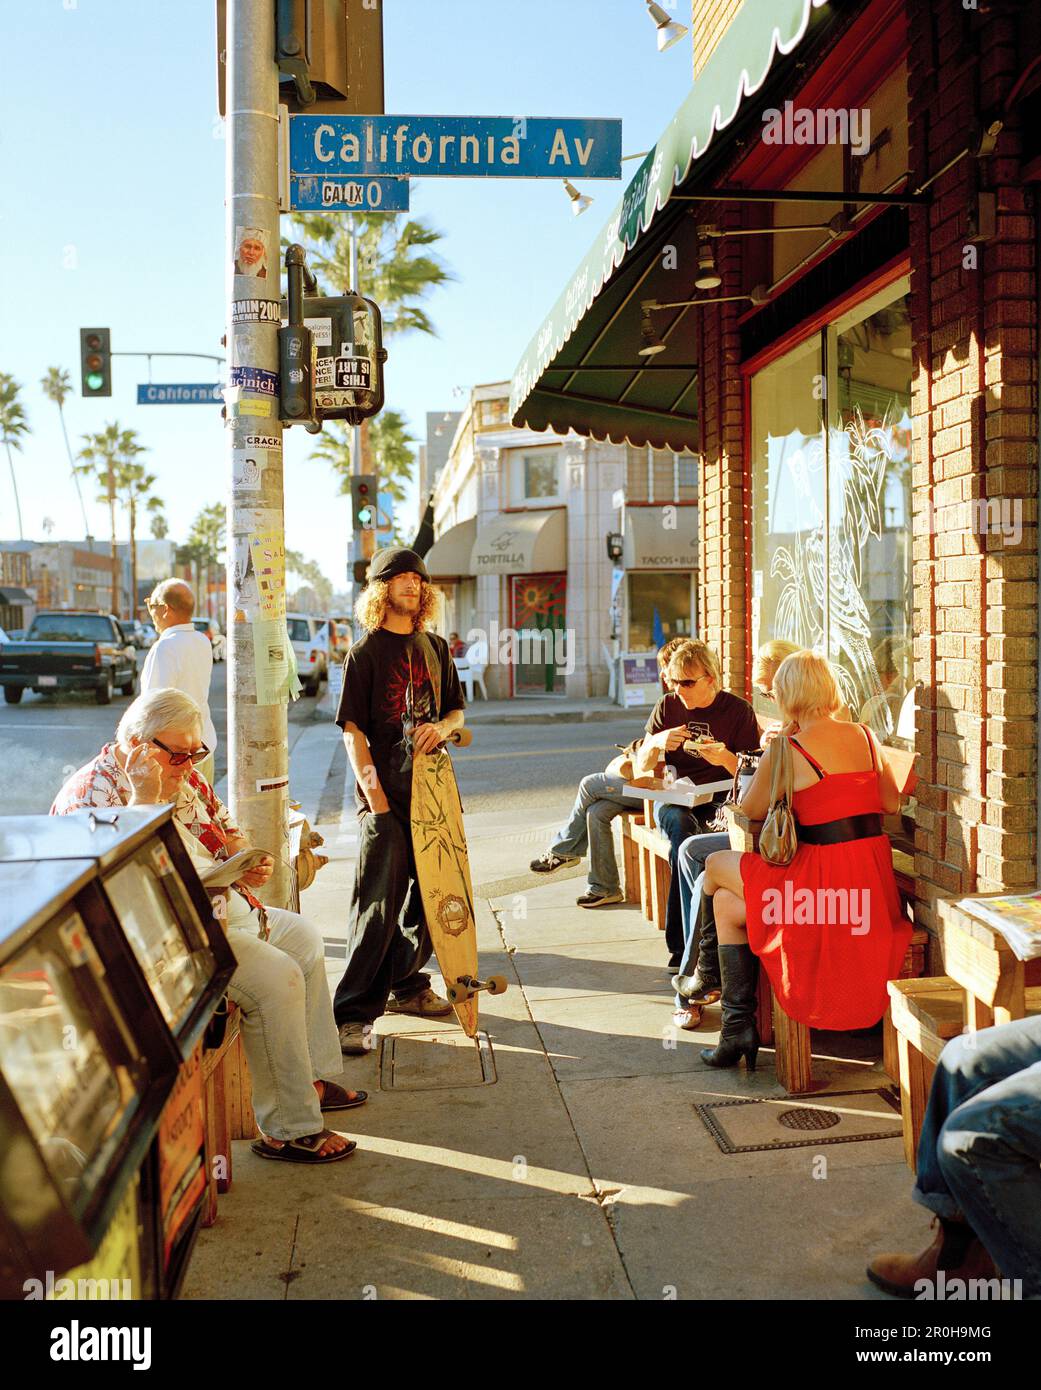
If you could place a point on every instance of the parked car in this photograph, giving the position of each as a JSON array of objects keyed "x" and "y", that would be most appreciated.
[
  {"x": 70, "y": 651},
  {"x": 340, "y": 629},
  {"x": 151, "y": 636},
  {"x": 212, "y": 630},
  {"x": 139, "y": 633},
  {"x": 310, "y": 638}
]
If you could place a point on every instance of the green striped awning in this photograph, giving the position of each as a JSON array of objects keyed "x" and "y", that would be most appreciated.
[{"x": 581, "y": 371}]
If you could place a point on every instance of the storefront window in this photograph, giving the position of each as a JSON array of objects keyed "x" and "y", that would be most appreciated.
[
  {"x": 535, "y": 476},
  {"x": 660, "y": 607},
  {"x": 831, "y": 483}
]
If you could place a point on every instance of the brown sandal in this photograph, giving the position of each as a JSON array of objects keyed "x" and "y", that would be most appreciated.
[
  {"x": 303, "y": 1150},
  {"x": 334, "y": 1097}
]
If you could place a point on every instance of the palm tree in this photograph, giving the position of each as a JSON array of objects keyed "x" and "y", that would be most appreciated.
[
  {"x": 57, "y": 387},
  {"x": 13, "y": 425},
  {"x": 134, "y": 488},
  {"x": 105, "y": 457},
  {"x": 158, "y": 526},
  {"x": 311, "y": 573},
  {"x": 205, "y": 546},
  {"x": 389, "y": 452}
]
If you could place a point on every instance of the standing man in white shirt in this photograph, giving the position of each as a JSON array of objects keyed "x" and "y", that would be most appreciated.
[{"x": 182, "y": 659}]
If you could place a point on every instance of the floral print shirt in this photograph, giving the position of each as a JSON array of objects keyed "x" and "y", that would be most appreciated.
[{"x": 102, "y": 783}]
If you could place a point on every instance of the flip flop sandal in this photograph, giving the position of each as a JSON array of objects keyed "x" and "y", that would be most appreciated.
[
  {"x": 304, "y": 1150},
  {"x": 334, "y": 1097}
]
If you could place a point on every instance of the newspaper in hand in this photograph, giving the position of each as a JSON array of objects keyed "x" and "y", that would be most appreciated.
[
  {"x": 1016, "y": 917},
  {"x": 223, "y": 873}
]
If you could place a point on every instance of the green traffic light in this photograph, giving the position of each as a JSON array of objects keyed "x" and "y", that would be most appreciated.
[
  {"x": 365, "y": 515},
  {"x": 95, "y": 381}
]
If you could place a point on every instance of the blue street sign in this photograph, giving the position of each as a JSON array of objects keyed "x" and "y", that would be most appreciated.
[
  {"x": 527, "y": 147},
  {"x": 180, "y": 393},
  {"x": 313, "y": 193}
]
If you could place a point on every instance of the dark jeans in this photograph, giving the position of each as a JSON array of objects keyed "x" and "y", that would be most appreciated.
[
  {"x": 678, "y": 823},
  {"x": 389, "y": 943},
  {"x": 980, "y": 1145}
]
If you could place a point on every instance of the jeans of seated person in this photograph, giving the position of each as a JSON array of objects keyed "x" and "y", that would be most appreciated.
[
  {"x": 691, "y": 860},
  {"x": 678, "y": 823},
  {"x": 287, "y": 1025},
  {"x": 980, "y": 1145},
  {"x": 589, "y": 827}
]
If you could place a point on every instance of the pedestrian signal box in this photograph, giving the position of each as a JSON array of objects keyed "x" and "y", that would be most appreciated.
[{"x": 347, "y": 334}]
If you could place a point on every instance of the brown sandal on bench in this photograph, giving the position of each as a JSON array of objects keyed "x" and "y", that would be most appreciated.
[
  {"x": 304, "y": 1150},
  {"x": 334, "y": 1097}
]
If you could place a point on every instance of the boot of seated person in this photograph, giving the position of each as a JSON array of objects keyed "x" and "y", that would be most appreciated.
[
  {"x": 739, "y": 1035},
  {"x": 704, "y": 986},
  {"x": 954, "y": 1248}
]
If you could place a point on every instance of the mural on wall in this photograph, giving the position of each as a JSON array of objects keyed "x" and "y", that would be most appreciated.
[{"x": 859, "y": 458}]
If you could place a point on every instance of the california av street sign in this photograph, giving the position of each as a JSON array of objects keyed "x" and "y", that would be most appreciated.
[{"x": 527, "y": 147}]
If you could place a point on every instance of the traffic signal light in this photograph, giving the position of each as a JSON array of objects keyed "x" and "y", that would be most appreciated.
[
  {"x": 96, "y": 362},
  {"x": 364, "y": 490},
  {"x": 361, "y": 570}
]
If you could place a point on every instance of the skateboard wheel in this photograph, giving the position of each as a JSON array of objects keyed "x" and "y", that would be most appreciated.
[
  {"x": 457, "y": 994},
  {"x": 497, "y": 984}
]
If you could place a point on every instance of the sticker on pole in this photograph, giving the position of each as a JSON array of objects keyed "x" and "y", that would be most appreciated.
[
  {"x": 254, "y": 379},
  {"x": 256, "y": 311},
  {"x": 251, "y": 252},
  {"x": 246, "y": 469}
]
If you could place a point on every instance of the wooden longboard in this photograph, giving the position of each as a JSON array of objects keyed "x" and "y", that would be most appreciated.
[{"x": 443, "y": 871}]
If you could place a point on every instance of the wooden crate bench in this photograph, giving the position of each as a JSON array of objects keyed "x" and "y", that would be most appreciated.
[
  {"x": 926, "y": 1014},
  {"x": 227, "y": 1108}
]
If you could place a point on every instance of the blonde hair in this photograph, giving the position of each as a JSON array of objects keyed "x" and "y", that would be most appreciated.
[
  {"x": 665, "y": 653},
  {"x": 695, "y": 653},
  {"x": 158, "y": 709},
  {"x": 372, "y": 604},
  {"x": 805, "y": 685},
  {"x": 769, "y": 657}
]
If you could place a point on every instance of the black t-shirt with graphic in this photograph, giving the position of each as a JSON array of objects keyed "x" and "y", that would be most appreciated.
[
  {"x": 387, "y": 690},
  {"x": 728, "y": 718}
]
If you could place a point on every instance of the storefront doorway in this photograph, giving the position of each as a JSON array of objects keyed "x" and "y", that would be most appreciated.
[{"x": 538, "y": 607}]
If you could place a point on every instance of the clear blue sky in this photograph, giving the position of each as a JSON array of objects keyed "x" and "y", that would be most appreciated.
[{"x": 111, "y": 212}]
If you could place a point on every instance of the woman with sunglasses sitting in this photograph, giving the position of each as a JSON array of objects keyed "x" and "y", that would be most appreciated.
[{"x": 280, "y": 985}]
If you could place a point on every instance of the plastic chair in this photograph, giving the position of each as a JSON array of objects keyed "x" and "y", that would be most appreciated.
[{"x": 471, "y": 669}]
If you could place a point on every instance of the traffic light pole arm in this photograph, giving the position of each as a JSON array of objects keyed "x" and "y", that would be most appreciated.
[{"x": 209, "y": 356}]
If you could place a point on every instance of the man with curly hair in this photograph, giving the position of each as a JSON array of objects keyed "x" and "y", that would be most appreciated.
[{"x": 401, "y": 695}]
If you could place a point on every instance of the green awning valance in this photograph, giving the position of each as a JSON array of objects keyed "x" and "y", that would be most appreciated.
[{"x": 591, "y": 389}]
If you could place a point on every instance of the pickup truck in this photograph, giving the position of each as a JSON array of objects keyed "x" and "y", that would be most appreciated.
[{"x": 70, "y": 651}]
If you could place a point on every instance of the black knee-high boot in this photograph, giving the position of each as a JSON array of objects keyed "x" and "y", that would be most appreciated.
[{"x": 739, "y": 1036}]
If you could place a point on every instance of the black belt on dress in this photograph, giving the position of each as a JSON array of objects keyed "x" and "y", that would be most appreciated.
[{"x": 837, "y": 832}]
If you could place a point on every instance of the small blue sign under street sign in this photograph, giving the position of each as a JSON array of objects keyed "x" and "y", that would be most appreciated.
[
  {"x": 313, "y": 193},
  {"x": 180, "y": 393},
  {"x": 527, "y": 147}
]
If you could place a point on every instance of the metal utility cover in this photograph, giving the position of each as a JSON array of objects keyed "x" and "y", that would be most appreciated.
[{"x": 436, "y": 1061}]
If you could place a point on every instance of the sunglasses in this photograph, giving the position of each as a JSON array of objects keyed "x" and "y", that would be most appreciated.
[
  {"x": 688, "y": 681},
  {"x": 179, "y": 759}
]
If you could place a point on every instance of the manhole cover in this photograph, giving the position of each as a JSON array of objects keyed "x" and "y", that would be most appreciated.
[
  {"x": 808, "y": 1119},
  {"x": 435, "y": 1061}
]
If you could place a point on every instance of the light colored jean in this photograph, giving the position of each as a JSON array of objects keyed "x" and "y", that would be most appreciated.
[
  {"x": 589, "y": 827},
  {"x": 288, "y": 1029}
]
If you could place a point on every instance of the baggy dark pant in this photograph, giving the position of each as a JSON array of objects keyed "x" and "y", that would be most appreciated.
[{"x": 388, "y": 943}]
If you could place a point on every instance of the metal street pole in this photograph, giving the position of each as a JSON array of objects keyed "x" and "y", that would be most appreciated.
[{"x": 258, "y": 761}]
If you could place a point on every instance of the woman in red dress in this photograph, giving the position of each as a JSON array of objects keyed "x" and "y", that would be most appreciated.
[{"x": 828, "y": 927}]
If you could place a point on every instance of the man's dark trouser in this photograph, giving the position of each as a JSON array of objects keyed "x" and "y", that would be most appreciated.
[
  {"x": 678, "y": 823},
  {"x": 389, "y": 943}
]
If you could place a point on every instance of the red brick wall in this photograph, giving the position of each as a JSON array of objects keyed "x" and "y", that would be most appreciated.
[
  {"x": 974, "y": 408},
  {"x": 709, "y": 19}
]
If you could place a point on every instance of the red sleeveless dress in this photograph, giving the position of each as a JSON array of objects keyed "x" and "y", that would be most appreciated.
[{"x": 829, "y": 951}]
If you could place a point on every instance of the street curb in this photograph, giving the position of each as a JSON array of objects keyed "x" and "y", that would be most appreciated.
[{"x": 595, "y": 716}]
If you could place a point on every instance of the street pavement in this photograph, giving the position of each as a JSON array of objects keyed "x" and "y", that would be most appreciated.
[
  {"x": 46, "y": 737},
  {"x": 571, "y": 1163}
]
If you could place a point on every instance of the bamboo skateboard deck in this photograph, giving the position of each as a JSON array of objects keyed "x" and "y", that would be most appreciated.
[{"x": 443, "y": 872}]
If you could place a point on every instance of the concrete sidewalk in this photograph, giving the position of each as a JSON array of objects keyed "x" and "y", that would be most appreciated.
[{"x": 565, "y": 1158}]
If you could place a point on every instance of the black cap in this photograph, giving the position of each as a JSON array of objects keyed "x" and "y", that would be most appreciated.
[{"x": 396, "y": 559}]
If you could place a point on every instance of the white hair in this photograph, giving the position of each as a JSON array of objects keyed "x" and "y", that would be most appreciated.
[{"x": 158, "y": 709}]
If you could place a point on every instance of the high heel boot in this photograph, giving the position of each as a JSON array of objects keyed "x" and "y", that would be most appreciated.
[{"x": 739, "y": 1036}]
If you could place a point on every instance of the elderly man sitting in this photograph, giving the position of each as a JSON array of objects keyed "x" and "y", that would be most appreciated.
[{"x": 280, "y": 985}]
